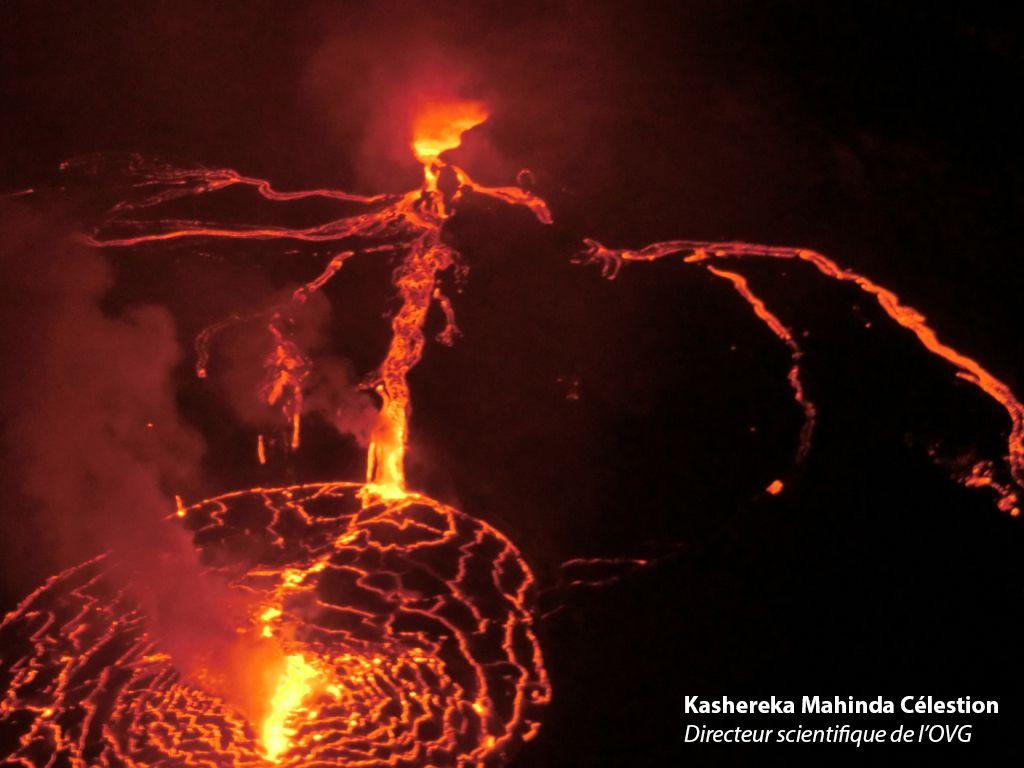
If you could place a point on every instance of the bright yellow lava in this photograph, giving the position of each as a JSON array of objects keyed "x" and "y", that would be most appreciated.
[
  {"x": 266, "y": 617},
  {"x": 439, "y": 126},
  {"x": 294, "y": 685}
]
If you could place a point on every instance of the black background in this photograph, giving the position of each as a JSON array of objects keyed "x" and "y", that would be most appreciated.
[{"x": 884, "y": 135}]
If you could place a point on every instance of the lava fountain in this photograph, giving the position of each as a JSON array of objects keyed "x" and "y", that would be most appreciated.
[{"x": 384, "y": 628}]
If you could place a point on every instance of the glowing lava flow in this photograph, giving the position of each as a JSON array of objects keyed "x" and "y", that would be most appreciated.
[
  {"x": 405, "y": 630},
  {"x": 708, "y": 254},
  {"x": 408, "y": 225},
  {"x": 411, "y": 224},
  {"x": 440, "y": 125},
  {"x": 293, "y": 688},
  {"x": 393, "y": 631}
]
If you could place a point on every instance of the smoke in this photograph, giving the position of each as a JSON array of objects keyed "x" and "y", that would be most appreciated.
[
  {"x": 374, "y": 68},
  {"x": 94, "y": 445},
  {"x": 337, "y": 400},
  {"x": 331, "y": 391},
  {"x": 90, "y": 423}
]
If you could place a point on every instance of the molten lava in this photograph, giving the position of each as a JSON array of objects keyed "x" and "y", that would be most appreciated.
[
  {"x": 409, "y": 225},
  {"x": 392, "y": 630},
  {"x": 707, "y": 254},
  {"x": 439, "y": 125},
  {"x": 293, "y": 688},
  {"x": 405, "y": 631}
]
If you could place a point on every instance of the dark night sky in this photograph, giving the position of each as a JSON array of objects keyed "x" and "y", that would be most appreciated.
[{"x": 885, "y": 135}]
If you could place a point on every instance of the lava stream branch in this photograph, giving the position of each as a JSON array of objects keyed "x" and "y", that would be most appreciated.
[
  {"x": 739, "y": 282},
  {"x": 408, "y": 226},
  {"x": 386, "y": 629},
  {"x": 706, "y": 253},
  {"x": 164, "y": 182}
]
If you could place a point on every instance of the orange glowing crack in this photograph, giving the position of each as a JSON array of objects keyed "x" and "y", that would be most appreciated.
[{"x": 403, "y": 633}]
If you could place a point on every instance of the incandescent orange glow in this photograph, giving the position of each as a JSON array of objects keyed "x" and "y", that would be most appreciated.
[
  {"x": 410, "y": 224},
  {"x": 399, "y": 634},
  {"x": 438, "y": 126},
  {"x": 784, "y": 335},
  {"x": 707, "y": 254},
  {"x": 293, "y": 687},
  {"x": 392, "y": 630},
  {"x": 383, "y": 685}
]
